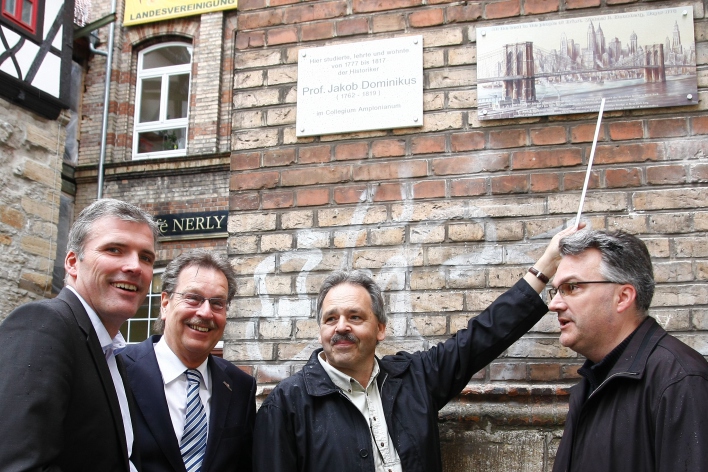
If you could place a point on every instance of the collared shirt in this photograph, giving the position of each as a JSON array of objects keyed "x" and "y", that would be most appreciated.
[
  {"x": 368, "y": 401},
  {"x": 175, "y": 381},
  {"x": 110, "y": 346}
]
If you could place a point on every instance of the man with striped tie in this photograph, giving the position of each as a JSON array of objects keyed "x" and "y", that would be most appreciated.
[{"x": 195, "y": 411}]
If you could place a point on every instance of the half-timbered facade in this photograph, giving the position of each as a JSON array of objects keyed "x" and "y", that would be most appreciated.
[{"x": 35, "y": 54}]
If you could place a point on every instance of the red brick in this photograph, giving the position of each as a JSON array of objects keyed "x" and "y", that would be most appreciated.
[
  {"x": 468, "y": 187},
  {"x": 388, "y": 192},
  {"x": 471, "y": 164},
  {"x": 272, "y": 373},
  {"x": 572, "y": 4},
  {"x": 510, "y": 184},
  {"x": 464, "y": 13},
  {"x": 548, "y": 135},
  {"x": 312, "y": 196},
  {"x": 699, "y": 173},
  {"x": 576, "y": 180},
  {"x": 427, "y": 144},
  {"x": 620, "y": 2},
  {"x": 699, "y": 124},
  {"x": 352, "y": 26},
  {"x": 546, "y": 159},
  {"x": 507, "y": 138},
  {"x": 585, "y": 133},
  {"x": 279, "y": 199},
  {"x": 244, "y": 201},
  {"x": 286, "y": 34},
  {"x": 663, "y": 175},
  {"x": 618, "y": 178},
  {"x": 277, "y": 3},
  {"x": 254, "y": 180},
  {"x": 570, "y": 371},
  {"x": 245, "y": 160},
  {"x": 622, "y": 130},
  {"x": 545, "y": 182},
  {"x": 349, "y": 151},
  {"x": 314, "y": 154},
  {"x": 317, "y": 175},
  {"x": 388, "y": 148},
  {"x": 613, "y": 154},
  {"x": 351, "y": 194},
  {"x": 546, "y": 372},
  {"x": 503, "y": 9},
  {"x": 315, "y": 31},
  {"x": 429, "y": 189},
  {"x": 260, "y": 19},
  {"x": 536, "y": 7},
  {"x": 423, "y": 18},
  {"x": 667, "y": 127},
  {"x": 470, "y": 141},
  {"x": 392, "y": 170},
  {"x": 244, "y": 5},
  {"x": 507, "y": 371},
  {"x": 392, "y": 22},
  {"x": 315, "y": 11},
  {"x": 280, "y": 157},
  {"x": 365, "y": 6}
]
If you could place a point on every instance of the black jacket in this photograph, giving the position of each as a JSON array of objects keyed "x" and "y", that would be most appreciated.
[
  {"x": 649, "y": 415},
  {"x": 307, "y": 425}
]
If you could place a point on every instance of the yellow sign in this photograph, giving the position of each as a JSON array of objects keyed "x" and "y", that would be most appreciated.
[{"x": 148, "y": 11}]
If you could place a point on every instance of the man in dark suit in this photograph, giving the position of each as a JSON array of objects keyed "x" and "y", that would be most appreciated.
[
  {"x": 195, "y": 411},
  {"x": 63, "y": 403}
]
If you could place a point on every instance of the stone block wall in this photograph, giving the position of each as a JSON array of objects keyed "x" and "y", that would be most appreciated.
[
  {"x": 447, "y": 216},
  {"x": 31, "y": 150}
]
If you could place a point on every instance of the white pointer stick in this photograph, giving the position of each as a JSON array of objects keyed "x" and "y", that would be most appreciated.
[{"x": 592, "y": 155}]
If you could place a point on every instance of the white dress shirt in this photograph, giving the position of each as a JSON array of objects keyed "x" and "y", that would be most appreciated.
[
  {"x": 368, "y": 401},
  {"x": 109, "y": 347},
  {"x": 175, "y": 381}
]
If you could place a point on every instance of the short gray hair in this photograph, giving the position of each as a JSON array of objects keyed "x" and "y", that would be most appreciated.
[
  {"x": 195, "y": 258},
  {"x": 355, "y": 277},
  {"x": 103, "y": 208},
  {"x": 625, "y": 260}
]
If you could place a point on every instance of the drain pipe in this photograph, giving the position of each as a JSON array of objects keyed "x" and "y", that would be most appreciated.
[{"x": 106, "y": 99}]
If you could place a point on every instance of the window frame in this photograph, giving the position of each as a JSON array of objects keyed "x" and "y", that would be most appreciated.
[
  {"x": 151, "y": 317},
  {"x": 162, "y": 124},
  {"x": 17, "y": 18}
]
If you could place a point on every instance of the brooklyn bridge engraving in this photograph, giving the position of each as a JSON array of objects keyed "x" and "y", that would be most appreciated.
[{"x": 525, "y": 79}]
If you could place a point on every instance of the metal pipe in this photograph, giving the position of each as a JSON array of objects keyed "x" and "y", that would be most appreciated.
[{"x": 106, "y": 99}]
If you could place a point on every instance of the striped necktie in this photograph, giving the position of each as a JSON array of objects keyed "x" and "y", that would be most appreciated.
[{"x": 194, "y": 438}]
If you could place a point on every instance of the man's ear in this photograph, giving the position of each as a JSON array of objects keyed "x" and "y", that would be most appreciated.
[
  {"x": 381, "y": 334},
  {"x": 70, "y": 264},
  {"x": 626, "y": 297},
  {"x": 164, "y": 301}
]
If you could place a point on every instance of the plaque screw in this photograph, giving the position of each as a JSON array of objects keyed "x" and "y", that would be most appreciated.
[
  {"x": 484, "y": 33},
  {"x": 685, "y": 12},
  {"x": 689, "y": 97},
  {"x": 415, "y": 120},
  {"x": 484, "y": 112},
  {"x": 302, "y": 130},
  {"x": 304, "y": 54},
  {"x": 415, "y": 42}
]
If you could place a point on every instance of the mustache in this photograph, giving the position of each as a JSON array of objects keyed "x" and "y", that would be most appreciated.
[
  {"x": 343, "y": 337},
  {"x": 209, "y": 324}
]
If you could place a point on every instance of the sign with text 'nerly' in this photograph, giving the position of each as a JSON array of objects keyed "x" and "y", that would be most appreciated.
[
  {"x": 208, "y": 224},
  {"x": 360, "y": 86}
]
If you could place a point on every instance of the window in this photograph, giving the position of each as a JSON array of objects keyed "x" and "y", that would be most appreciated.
[
  {"x": 162, "y": 101},
  {"x": 21, "y": 12},
  {"x": 139, "y": 327}
]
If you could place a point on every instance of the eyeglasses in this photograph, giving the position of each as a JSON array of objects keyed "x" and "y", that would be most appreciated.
[
  {"x": 569, "y": 288},
  {"x": 195, "y": 300}
]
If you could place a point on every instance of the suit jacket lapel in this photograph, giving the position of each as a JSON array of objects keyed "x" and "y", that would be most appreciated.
[
  {"x": 150, "y": 397},
  {"x": 219, "y": 410},
  {"x": 99, "y": 360}
]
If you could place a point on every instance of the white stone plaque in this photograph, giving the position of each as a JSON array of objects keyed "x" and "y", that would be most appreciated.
[{"x": 360, "y": 86}]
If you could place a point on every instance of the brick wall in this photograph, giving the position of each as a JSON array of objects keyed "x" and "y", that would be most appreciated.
[
  {"x": 31, "y": 150},
  {"x": 448, "y": 215}
]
